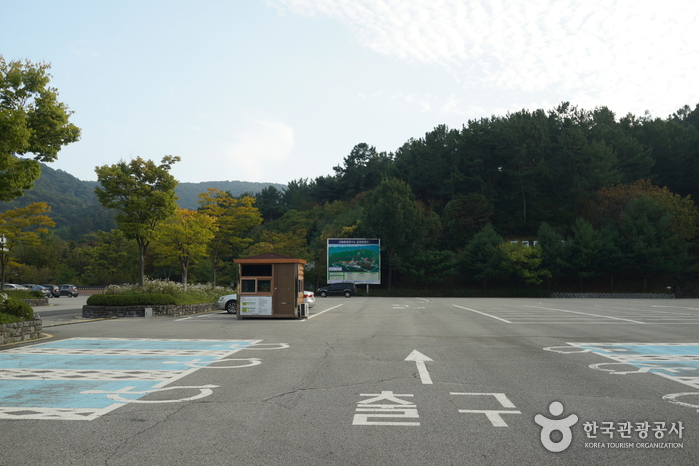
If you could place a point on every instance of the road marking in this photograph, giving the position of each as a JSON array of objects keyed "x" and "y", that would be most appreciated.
[
  {"x": 85, "y": 378},
  {"x": 585, "y": 314},
  {"x": 420, "y": 360},
  {"x": 483, "y": 313},
  {"x": 322, "y": 312},
  {"x": 677, "y": 362},
  {"x": 493, "y": 415}
]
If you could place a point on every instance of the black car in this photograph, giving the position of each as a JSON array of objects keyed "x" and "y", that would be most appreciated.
[
  {"x": 337, "y": 289},
  {"x": 55, "y": 291},
  {"x": 69, "y": 290}
]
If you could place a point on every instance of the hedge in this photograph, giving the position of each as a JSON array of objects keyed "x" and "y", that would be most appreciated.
[
  {"x": 153, "y": 299},
  {"x": 18, "y": 308}
]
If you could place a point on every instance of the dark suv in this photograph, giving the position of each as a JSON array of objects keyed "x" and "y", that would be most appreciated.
[
  {"x": 69, "y": 290},
  {"x": 338, "y": 289}
]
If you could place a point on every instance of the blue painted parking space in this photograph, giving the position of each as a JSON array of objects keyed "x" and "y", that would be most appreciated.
[
  {"x": 84, "y": 378},
  {"x": 678, "y": 362}
]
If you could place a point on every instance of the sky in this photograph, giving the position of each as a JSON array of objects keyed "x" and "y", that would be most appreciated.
[{"x": 282, "y": 90}]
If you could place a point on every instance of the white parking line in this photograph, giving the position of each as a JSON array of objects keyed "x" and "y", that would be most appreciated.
[
  {"x": 483, "y": 313},
  {"x": 586, "y": 314},
  {"x": 323, "y": 312}
]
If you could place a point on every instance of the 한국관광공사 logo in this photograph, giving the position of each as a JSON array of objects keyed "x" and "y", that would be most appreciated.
[{"x": 549, "y": 426}]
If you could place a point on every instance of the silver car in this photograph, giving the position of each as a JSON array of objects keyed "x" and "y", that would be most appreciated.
[{"x": 228, "y": 303}]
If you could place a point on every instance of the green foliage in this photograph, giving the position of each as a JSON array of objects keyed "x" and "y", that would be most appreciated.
[
  {"x": 8, "y": 319},
  {"x": 523, "y": 263},
  {"x": 193, "y": 293},
  {"x": 392, "y": 213},
  {"x": 463, "y": 216},
  {"x": 22, "y": 294},
  {"x": 482, "y": 258},
  {"x": 32, "y": 121},
  {"x": 649, "y": 243},
  {"x": 552, "y": 249},
  {"x": 131, "y": 299},
  {"x": 144, "y": 195},
  {"x": 17, "y": 308}
]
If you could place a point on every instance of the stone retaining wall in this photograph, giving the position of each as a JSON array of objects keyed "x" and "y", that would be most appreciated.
[
  {"x": 171, "y": 310},
  {"x": 614, "y": 295},
  {"x": 20, "y": 331}
]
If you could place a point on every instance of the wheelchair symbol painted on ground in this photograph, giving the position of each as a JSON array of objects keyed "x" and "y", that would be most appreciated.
[
  {"x": 199, "y": 364},
  {"x": 56, "y": 381},
  {"x": 204, "y": 391},
  {"x": 677, "y": 362}
]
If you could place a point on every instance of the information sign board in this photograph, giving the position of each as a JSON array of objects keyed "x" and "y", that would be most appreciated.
[{"x": 355, "y": 260}]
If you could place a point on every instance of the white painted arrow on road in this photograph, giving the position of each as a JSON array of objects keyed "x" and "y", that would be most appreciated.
[{"x": 420, "y": 359}]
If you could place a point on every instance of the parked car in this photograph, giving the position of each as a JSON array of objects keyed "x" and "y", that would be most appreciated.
[
  {"x": 309, "y": 298},
  {"x": 12, "y": 286},
  {"x": 32, "y": 287},
  {"x": 337, "y": 289},
  {"x": 55, "y": 290},
  {"x": 228, "y": 303},
  {"x": 69, "y": 290}
]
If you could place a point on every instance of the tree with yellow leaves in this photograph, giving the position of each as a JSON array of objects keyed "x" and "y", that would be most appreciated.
[
  {"x": 21, "y": 226},
  {"x": 185, "y": 236},
  {"x": 234, "y": 216}
]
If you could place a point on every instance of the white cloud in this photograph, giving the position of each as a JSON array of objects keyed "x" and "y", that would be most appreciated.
[
  {"x": 257, "y": 149},
  {"x": 627, "y": 54}
]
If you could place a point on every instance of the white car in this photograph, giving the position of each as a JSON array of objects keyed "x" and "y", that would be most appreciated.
[
  {"x": 228, "y": 303},
  {"x": 12, "y": 286},
  {"x": 309, "y": 298}
]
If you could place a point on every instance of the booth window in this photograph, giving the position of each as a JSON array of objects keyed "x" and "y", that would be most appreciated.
[
  {"x": 247, "y": 286},
  {"x": 256, "y": 270},
  {"x": 264, "y": 286},
  {"x": 255, "y": 285}
]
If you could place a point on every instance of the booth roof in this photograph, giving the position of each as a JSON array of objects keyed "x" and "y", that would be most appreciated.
[{"x": 269, "y": 258}]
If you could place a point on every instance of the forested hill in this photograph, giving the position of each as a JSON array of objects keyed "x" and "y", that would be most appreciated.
[
  {"x": 76, "y": 211},
  {"x": 188, "y": 193}
]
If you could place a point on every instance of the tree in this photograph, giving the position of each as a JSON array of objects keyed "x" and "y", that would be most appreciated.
[
  {"x": 234, "y": 217},
  {"x": 363, "y": 170},
  {"x": 269, "y": 201},
  {"x": 552, "y": 250},
  {"x": 650, "y": 244},
  {"x": 583, "y": 251},
  {"x": 523, "y": 263},
  {"x": 292, "y": 244},
  {"x": 21, "y": 225},
  {"x": 392, "y": 214},
  {"x": 32, "y": 121},
  {"x": 144, "y": 195},
  {"x": 463, "y": 217},
  {"x": 482, "y": 258},
  {"x": 111, "y": 259},
  {"x": 185, "y": 236},
  {"x": 609, "y": 203}
]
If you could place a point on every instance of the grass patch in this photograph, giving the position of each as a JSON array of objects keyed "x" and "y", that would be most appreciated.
[{"x": 8, "y": 319}]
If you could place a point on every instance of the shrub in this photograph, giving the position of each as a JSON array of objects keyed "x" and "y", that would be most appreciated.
[
  {"x": 23, "y": 294},
  {"x": 194, "y": 294},
  {"x": 18, "y": 309},
  {"x": 152, "y": 299}
]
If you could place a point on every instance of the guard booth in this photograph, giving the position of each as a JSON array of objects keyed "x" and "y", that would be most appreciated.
[{"x": 271, "y": 285}]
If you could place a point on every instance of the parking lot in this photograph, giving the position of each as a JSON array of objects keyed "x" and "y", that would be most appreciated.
[{"x": 364, "y": 381}]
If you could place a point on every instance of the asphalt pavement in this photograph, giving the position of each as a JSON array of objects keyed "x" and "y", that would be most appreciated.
[{"x": 363, "y": 381}]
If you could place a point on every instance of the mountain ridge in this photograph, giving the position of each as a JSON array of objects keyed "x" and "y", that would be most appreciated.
[{"x": 76, "y": 210}]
